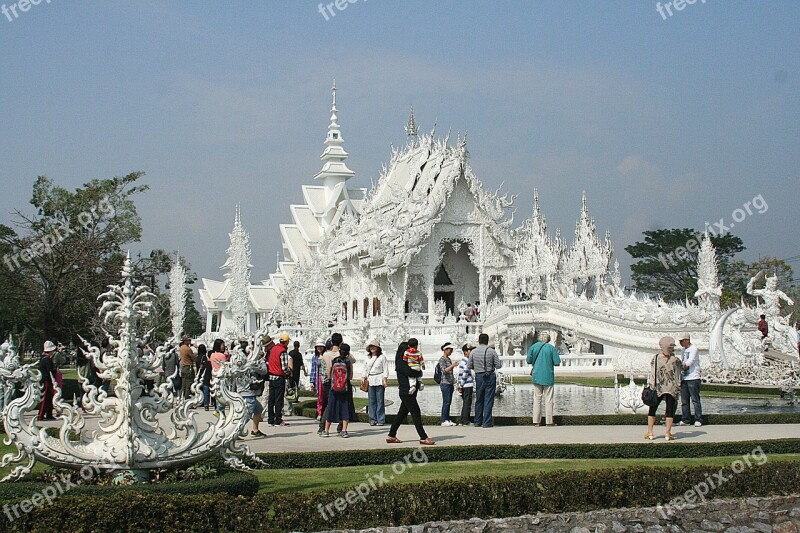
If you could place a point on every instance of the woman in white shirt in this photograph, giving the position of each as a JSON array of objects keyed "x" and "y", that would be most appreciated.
[{"x": 376, "y": 370}]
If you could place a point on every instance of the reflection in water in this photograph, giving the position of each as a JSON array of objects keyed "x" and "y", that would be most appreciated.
[{"x": 581, "y": 400}]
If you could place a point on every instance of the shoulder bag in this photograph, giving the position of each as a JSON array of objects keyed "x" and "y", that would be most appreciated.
[
  {"x": 649, "y": 394},
  {"x": 365, "y": 379}
]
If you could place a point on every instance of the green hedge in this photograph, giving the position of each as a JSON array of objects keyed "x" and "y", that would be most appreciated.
[
  {"x": 308, "y": 409},
  {"x": 396, "y": 504},
  {"x": 387, "y": 456},
  {"x": 233, "y": 483}
]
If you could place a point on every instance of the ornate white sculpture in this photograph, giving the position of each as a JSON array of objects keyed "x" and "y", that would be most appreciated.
[
  {"x": 708, "y": 288},
  {"x": 309, "y": 299},
  {"x": 9, "y": 367},
  {"x": 537, "y": 256},
  {"x": 177, "y": 296},
  {"x": 129, "y": 436},
  {"x": 238, "y": 273}
]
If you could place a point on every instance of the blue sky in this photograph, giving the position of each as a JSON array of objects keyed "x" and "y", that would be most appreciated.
[{"x": 665, "y": 123}]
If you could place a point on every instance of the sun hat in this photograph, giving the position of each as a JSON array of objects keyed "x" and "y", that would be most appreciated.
[
  {"x": 49, "y": 346},
  {"x": 684, "y": 337},
  {"x": 449, "y": 345},
  {"x": 373, "y": 342}
]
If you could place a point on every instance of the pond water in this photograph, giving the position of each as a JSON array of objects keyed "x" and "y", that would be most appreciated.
[{"x": 580, "y": 400}]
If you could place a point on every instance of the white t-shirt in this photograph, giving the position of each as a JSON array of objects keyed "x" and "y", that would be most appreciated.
[{"x": 691, "y": 358}]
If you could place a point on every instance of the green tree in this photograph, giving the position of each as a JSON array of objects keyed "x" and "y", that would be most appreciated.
[
  {"x": 56, "y": 261},
  {"x": 667, "y": 263}
]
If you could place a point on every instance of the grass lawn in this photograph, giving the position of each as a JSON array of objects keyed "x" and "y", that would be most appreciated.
[{"x": 293, "y": 480}]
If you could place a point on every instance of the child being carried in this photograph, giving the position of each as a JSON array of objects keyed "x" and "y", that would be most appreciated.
[{"x": 413, "y": 357}]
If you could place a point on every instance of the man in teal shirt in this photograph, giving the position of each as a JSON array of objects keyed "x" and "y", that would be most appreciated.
[{"x": 543, "y": 356}]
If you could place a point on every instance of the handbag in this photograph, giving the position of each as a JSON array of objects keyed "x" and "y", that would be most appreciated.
[
  {"x": 365, "y": 380},
  {"x": 649, "y": 395}
]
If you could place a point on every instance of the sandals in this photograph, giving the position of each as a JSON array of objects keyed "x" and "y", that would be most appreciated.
[
  {"x": 649, "y": 436},
  {"x": 427, "y": 442},
  {"x": 669, "y": 436},
  {"x": 393, "y": 440}
]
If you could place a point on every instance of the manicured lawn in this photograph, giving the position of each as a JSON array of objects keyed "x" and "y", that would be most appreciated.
[{"x": 292, "y": 480}]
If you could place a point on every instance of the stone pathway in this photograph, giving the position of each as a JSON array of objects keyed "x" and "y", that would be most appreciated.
[{"x": 301, "y": 434}]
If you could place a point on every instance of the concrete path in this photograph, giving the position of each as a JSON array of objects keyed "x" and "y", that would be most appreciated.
[{"x": 301, "y": 434}]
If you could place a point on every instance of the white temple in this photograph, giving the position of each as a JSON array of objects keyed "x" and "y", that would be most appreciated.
[{"x": 405, "y": 257}]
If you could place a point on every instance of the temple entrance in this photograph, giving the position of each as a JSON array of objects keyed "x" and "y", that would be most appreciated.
[{"x": 449, "y": 298}]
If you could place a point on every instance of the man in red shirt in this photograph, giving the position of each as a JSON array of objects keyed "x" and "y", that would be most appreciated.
[
  {"x": 280, "y": 368},
  {"x": 763, "y": 327}
]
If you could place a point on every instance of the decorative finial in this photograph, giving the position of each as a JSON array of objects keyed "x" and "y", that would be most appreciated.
[
  {"x": 333, "y": 90},
  {"x": 535, "y": 202},
  {"x": 411, "y": 126}
]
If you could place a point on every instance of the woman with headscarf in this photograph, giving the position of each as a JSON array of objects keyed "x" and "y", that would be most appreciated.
[
  {"x": 665, "y": 379},
  {"x": 408, "y": 400}
]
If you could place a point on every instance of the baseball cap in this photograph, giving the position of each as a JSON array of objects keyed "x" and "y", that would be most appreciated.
[
  {"x": 284, "y": 337},
  {"x": 684, "y": 336}
]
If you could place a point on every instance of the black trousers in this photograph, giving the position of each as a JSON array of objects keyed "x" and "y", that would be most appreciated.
[
  {"x": 277, "y": 390},
  {"x": 466, "y": 395},
  {"x": 409, "y": 405},
  {"x": 672, "y": 404},
  {"x": 326, "y": 391}
]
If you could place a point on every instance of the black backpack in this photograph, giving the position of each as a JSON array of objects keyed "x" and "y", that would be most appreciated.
[{"x": 437, "y": 374}]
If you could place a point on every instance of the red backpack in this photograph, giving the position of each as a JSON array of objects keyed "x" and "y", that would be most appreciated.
[{"x": 339, "y": 375}]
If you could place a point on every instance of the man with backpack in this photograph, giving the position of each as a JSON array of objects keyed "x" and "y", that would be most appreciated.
[
  {"x": 340, "y": 408},
  {"x": 544, "y": 357},
  {"x": 326, "y": 362},
  {"x": 484, "y": 361},
  {"x": 280, "y": 368},
  {"x": 443, "y": 375}
]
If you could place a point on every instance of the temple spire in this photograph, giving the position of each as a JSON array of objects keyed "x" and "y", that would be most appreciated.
[
  {"x": 334, "y": 169},
  {"x": 412, "y": 132},
  {"x": 536, "y": 211}
]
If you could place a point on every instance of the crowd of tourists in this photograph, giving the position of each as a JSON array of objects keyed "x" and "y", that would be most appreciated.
[{"x": 472, "y": 374}]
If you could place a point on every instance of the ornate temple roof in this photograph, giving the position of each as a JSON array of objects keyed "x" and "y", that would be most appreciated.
[{"x": 402, "y": 209}]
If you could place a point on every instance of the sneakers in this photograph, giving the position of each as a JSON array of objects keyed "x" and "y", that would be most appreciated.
[
  {"x": 282, "y": 424},
  {"x": 345, "y": 435},
  {"x": 698, "y": 424},
  {"x": 324, "y": 434},
  {"x": 411, "y": 391},
  {"x": 682, "y": 423},
  {"x": 447, "y": 424},
  {"x": 257, "y": 434}
]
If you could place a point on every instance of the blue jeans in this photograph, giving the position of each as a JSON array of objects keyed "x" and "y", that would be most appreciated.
[
  {"x": 484, "y": 398},
  {"x": 376, "y": 410},
  {"x": 206, "y": 395},
  {"x": 447, "y": 399},
  {"x": 690, "y": 388}
]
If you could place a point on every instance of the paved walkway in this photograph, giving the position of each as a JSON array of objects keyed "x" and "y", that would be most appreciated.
[{"x": 301, "y": 434}]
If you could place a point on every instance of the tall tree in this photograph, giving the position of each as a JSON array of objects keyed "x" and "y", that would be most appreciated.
[
  {"x": 57, "y": 260},
  {"x": 667, "y": 263}
]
